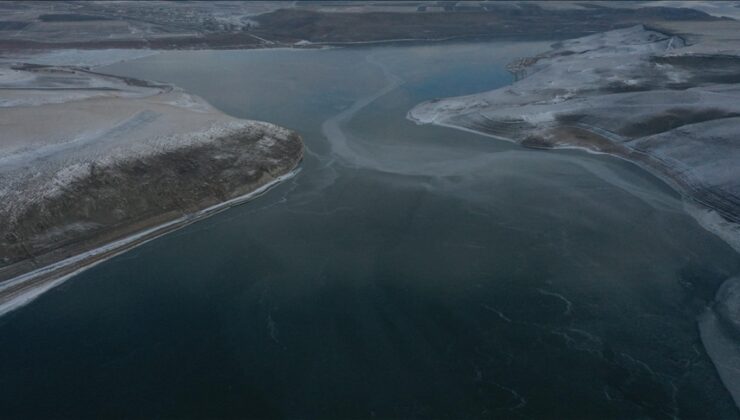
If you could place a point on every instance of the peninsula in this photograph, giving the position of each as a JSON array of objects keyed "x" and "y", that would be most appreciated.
[{"x": 92, "y": 165}]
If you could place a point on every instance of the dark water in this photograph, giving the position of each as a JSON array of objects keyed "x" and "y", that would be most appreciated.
[{"x": 407, "y": 271}]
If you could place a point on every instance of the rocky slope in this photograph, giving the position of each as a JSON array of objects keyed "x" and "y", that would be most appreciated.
[
  {"x": 631, "y": 92},
  {"x": 88, "y": 159}
]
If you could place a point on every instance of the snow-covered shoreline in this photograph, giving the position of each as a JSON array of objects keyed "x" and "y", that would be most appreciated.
[
  {"x": 22, "y": 296},
  {"x": 571, "y": 90},
  {"x": 707, "y": 218}
]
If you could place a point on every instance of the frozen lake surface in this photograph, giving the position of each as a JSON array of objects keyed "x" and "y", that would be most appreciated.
[{"x": 406, "y": 271}]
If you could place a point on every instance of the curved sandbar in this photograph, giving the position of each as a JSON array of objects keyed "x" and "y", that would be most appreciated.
[{"x": 92, "y": 165}]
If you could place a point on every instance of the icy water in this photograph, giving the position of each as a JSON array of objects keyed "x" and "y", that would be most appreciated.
[{"x": 406, "y": 271}]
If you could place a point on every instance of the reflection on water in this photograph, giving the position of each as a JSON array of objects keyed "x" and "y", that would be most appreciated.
[{"x": 407, "y": 271}]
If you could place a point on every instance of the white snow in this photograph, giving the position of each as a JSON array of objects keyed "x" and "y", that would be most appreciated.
[{"x": 45, "y": 148}]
